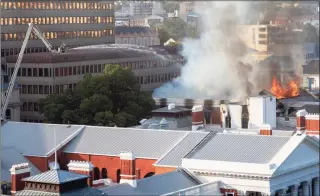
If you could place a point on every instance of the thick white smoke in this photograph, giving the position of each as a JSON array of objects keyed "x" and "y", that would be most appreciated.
[{"x": 212, "y": 69}]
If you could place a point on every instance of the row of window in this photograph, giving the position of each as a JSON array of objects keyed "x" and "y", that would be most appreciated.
[
  {"x": 14, "y": 51},
  {"x": 27, "y": 119},
  {"x": 45, "y": 89},
  {"x": 49, "y": 89},
  {"x": 155, "y": 78},
  {"x": 78, "y": 70},
  {"x": 58, "y": 20},
  {"x": 57, "y": 35},
  {"x": 59, "y": 5}
]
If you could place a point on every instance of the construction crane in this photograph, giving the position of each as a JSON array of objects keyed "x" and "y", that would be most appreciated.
[{"x": 32, "y": 28}]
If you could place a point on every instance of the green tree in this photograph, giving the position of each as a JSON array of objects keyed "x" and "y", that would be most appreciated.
[
  {"x": 310, "y": 34},
  {"x": 171, "y": 28},
  {"x": 170, "y": 6},
  {"x": 111, "y": 99}
]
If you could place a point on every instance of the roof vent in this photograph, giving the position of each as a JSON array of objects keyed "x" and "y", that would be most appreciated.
[{"x": 171, "y": 106}]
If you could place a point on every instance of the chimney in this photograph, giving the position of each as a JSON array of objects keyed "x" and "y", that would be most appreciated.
[
  {"x": 18, "y": 172},
  {"x": 128, "y": 168},
  {"x": 82, "y": 167},
  {"x": 265, "y": 129},
  {"x": 312, "y": 124},
  {"x": 197, "y": 117},
  {"x": 301, "y": 120}
]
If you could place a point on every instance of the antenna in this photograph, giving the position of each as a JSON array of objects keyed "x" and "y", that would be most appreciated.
[{"x": 55, "y": 149}]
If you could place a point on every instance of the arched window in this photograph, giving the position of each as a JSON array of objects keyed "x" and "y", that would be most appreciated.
[
  {"x": 104, "y": 173},
  {"x": 118, "y": 175},
  {"x": 8, "y": 114},
  {"x": 96, "y": 173},
  {"x": 149, "y": 175}
]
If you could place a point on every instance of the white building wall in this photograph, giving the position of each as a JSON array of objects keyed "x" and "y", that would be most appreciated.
[
  {"x": 236, "y": 113},
  {"x": 262, "y": 110}
]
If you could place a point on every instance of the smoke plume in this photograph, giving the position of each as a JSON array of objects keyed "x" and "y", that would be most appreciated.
[{"x": 217, "y": 66}]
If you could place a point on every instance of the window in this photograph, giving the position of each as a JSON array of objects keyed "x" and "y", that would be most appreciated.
[
  {"x": 262, "y": 29},
  {"x": 262, "y": 42},
  {"x": 262, "y": 35}
]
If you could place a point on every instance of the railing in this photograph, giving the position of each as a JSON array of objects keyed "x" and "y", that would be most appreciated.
[{"x": 211, "y": 188}]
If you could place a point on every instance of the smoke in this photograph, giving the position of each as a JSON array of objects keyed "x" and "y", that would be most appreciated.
[{"x": 217, "y": 65}]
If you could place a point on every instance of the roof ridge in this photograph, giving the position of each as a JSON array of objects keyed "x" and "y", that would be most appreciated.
[
  {"x": 136, "y": 129},
  {"x": 205, "y": 140},
  {"x": 190, "y": 175}
]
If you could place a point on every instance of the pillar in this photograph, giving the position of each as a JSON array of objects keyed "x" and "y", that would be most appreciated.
[
  {"x": 128, "y": 168},
  {"x": 82, "y": 167},
  {"x": 316, "y": 187},
  {"x": 294, "y": 190},
  {"x": 18, "y": 172},
  {"x": 306, "y": 188},
  {"x": 197, "y": 117}
]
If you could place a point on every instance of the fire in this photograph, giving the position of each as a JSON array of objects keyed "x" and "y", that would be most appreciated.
[{"x": 290, "y": 90}]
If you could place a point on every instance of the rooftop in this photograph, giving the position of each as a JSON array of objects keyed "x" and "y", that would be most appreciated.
[
  {"x": 96, "y": 52},
  {"x": 11, "y": 156},
  {"x": 155, "y": 185},
  {"x": 239, "y": 148},
  {"x": 55, "y": 177},
  {"x": 145, "y": 143},
  {"x": 36, "y": 139}
]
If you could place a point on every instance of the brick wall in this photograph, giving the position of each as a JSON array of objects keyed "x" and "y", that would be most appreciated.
[{"x": 161, "y": 170}]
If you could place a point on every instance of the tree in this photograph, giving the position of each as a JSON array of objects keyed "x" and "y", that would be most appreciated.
[
  {"x": 170, "y": 6},
  {"x": 172, "y": 28},
  {"x": 111, "y": 99}
]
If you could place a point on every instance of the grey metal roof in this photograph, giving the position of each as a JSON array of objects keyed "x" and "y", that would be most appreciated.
[
  {"x": 166, "y": 183},
  {"x": 120, "y": 189},
  {"x": 174, "y": 123},
  {"x": 55, "y": 177},
  {"x": 88, "y": 191},
  {"x": 282, "y": 124},
  {"x": 174, "y": 157},
  {"x": 155, "y": 185},
  {"x": 130, "y": 30},
  {"x": 239, "y": 148},
  {"x": 10, "y": 156},
  {"x": 36, "y": 138},
  {"x": 144, "y": 143}
]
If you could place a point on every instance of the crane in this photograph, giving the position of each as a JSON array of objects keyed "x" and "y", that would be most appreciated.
[{"x": 32, "y": 28}]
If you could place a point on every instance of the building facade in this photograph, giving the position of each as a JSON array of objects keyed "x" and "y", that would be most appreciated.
[
  {"x": 74, "y": 23},
  {"x": 13, "y": 109},
  {"x": 47, "y": 73},
  {"x": 142, "y": 8},
  {"x": 141, "y": 36}
]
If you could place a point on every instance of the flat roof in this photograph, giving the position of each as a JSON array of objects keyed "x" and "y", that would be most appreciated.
[{"x": 96, "y": 52}]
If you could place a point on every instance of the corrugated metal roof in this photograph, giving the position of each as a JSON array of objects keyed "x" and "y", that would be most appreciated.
[
  {"x": 174, "y": 123},
  {"x": 240, "y": 148},
  {"x": 155, "y": 185},
  {"x": 144, "y": 143},
  {"x": 55, "y": 177},
  {"x": 10, "y": 156},
  {"x": 174, "y": 157},
  {"x": 36, "y": 138},
  {"x": 165, "y": 183},
  {"x": 84, "y": 191}
]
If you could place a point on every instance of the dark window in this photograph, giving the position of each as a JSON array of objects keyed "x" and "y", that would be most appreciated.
[
  {"x": 35, "y": 72},
  {"x": 96, "y": 173},
  {"x": 24, "y": 72},
  {"x": 29, "y": 71},
  {"x": 118, "y": 175},
  {"x": 46, "y": 72},
  {"x": 149, "y": 174},
  {"x": 8, "y": 114},
  {"x": 104, "y": 173},
  {"x": 40, "y": 72}
]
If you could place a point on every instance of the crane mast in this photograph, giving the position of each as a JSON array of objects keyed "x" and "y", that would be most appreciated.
[{"x": 32, "y": 28}]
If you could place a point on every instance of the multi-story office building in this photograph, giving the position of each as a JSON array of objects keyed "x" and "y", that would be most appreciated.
[
  {"x": 142, "y": 8},
  {"x": 44, "y": 73},
  {"x": 141, "y": 36},
  {"x": 72, "y": 22},
  {"x": 13, "y": 109}
]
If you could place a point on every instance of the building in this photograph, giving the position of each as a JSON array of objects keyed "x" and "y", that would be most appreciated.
[
  {"x": 154, "y": 19},
  {"x": 132, "y": 21},
  {"x": 311, "y": 75},
  {"x": 74, "y": 23},
  {"x": 46, "y": 73},
  {"x": 142, "y": 8},
  {"x": 184, "y": 9},
  {"x": 217, "y": 162},
  {"x": 13, "y": 109},
  {"x": 141, "y": 36}
]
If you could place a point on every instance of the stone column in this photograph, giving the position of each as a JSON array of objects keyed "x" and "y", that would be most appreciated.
[
  {"x": 316, "y": 187},
  {"x": 306, "y": 188},
  {"x": 294, "y": 190}
]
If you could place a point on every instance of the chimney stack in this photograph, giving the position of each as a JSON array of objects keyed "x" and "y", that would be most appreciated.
[
  {"x": 82, "y": 167},
  {"x": 312, "y": 124},
  {"x": 128, "y": 168},
  {"x": 301, "y": 120},
  {"x": 18, "y": 172},
  {"x": 266, "y": 129},
  {"x": 197, "y": 117}
]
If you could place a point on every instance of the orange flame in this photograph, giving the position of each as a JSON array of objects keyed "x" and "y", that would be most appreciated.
[{"x": 291, "y": 90}]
